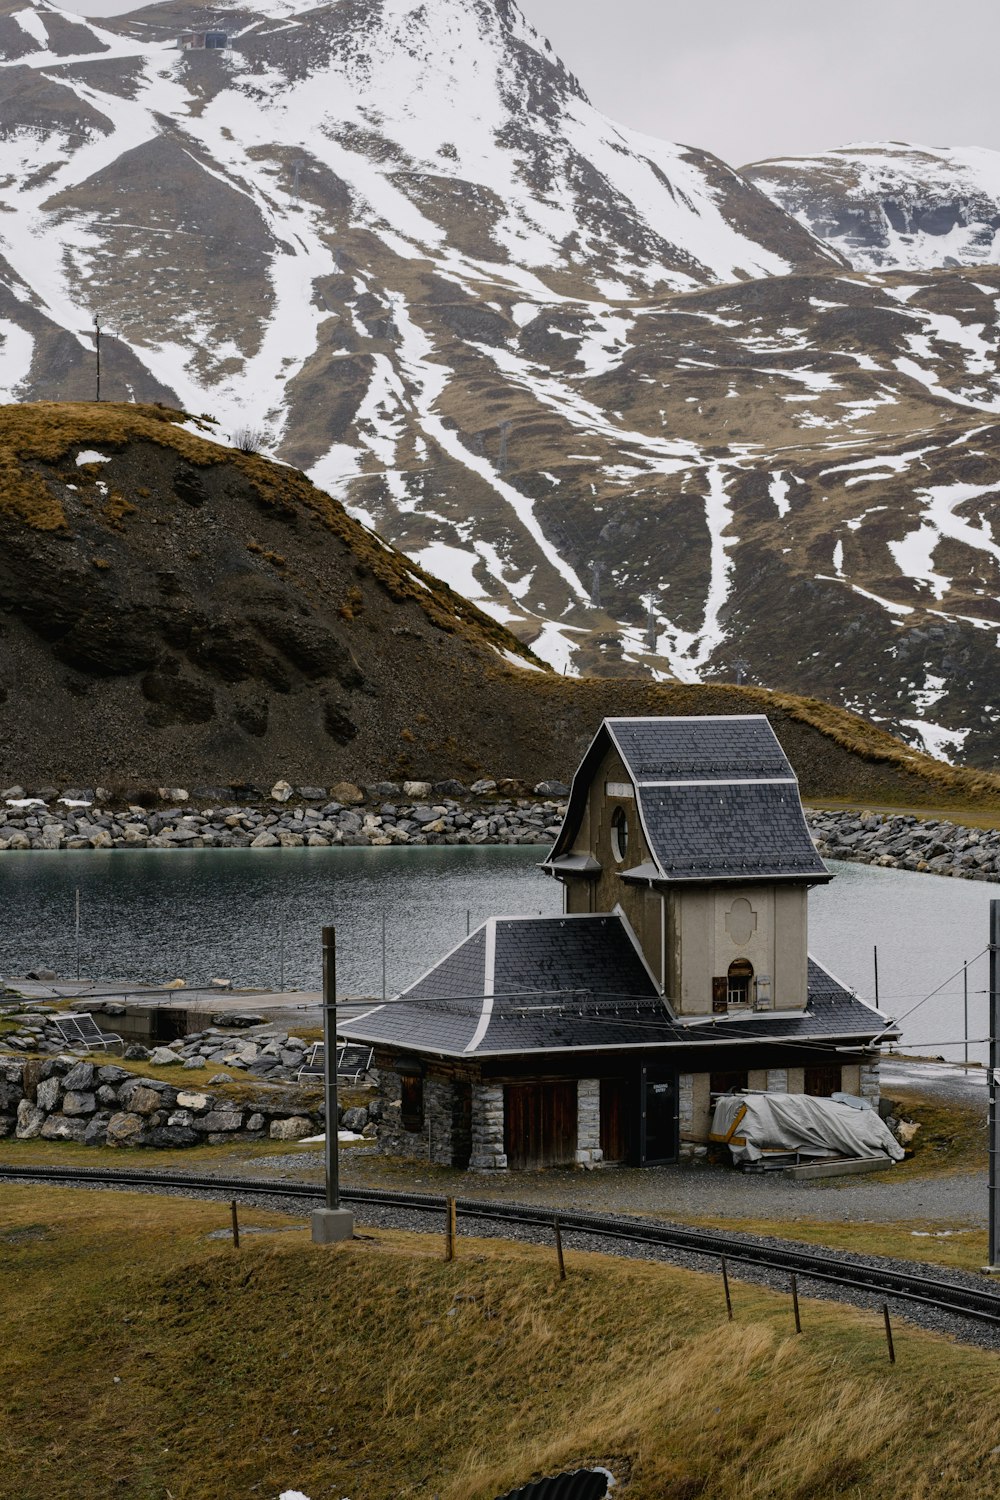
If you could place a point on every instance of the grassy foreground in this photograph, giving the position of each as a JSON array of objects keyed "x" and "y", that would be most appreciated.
[{"x": 143, "y": 1360}]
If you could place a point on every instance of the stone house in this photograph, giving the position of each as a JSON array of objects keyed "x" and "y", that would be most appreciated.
[{"x": 679, "y": 971}]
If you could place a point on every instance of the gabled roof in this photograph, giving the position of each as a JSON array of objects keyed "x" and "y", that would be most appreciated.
[
  {"x": 716, "y": 797},
  {"x": 558, "y": 984}
]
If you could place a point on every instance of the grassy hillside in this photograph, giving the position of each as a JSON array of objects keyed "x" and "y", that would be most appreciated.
[
  {"x": 144, "y": 1359},
  {"x": 175, "y": 611}
]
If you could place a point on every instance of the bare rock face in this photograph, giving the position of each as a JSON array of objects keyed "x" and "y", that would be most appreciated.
[{"x": 652, "y": 418}]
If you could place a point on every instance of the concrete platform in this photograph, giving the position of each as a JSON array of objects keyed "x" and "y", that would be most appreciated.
[{"x": 852, "y": 1166}]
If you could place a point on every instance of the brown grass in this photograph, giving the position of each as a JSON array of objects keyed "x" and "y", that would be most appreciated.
[
  {"x": 44, "y": 433},
  {"x": 143, "y": 1360}
]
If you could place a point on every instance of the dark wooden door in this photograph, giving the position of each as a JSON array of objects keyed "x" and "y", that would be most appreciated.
[
  {"x": 614, "y": 1119},
  {"x": 659, "y": 1117},
  {"x": 540, "y": 1124}
]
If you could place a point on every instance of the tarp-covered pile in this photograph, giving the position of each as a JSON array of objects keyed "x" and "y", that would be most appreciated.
[{"x": 755, "y": 1126}]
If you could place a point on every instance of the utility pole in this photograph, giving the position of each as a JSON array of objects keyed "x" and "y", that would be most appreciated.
[
  {"x": 502, "y": 458},
  {"x": 297, "y": 166},
  {"x": 331, "y": 1223},
  {"x": 97, "y": 352},
  {"x": 651, "y": 625},
  {"x": 994, "y": 1118}
]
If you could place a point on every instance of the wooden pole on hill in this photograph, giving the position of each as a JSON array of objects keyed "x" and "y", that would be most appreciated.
[{"x": 994, "y": 1144}]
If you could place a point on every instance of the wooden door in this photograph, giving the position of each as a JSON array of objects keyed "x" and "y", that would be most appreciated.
[
  {"x": 540, "y": 1124},
  {"x": 614, "y": 1119}
]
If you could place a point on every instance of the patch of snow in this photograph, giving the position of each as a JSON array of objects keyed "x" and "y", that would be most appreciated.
[
  {"x": 512, "y": 659},
  {"x": 937, "y": 741},
  {"x": 778, "y": 490},
  {"x": 91, "y": 456},
  {"x": 914, "y": 553}
]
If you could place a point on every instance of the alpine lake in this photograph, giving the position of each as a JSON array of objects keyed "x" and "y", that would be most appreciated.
[{"x": 254, "y": 917}]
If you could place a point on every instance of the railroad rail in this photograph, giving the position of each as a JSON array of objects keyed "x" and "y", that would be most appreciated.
[{"x": 883, "y": 1279}]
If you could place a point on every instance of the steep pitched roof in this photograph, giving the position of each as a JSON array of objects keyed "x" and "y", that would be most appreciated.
[
  {"x": 558, "y": 984},
  {"x": 716, "y": 797}
]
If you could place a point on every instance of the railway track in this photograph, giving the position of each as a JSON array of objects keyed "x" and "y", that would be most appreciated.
[{"x": 959, "y": 1299}]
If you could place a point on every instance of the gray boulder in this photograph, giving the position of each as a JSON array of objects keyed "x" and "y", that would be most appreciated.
[
  {"x": 79, "y": 1078},
  {"x": 164, "y": 1057},
  {"x": 355, "y": 1119},
  {"x": 30, "y": 1120},
  {"x": 219, "y": 1120},
  {"x": 47, "y": 1094},
  {"x": 126, "y": 1130},
  {"x": 292, "y": 1129},
  {"x": 77, "y": 1102},
  {"x": 58, "y": 1128}
]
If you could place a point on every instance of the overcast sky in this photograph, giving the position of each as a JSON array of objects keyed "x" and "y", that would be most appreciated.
[{"x": 755, "y": 78}]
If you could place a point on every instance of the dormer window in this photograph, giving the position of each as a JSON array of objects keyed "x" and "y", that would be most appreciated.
[{"x": 619, "y": 834}]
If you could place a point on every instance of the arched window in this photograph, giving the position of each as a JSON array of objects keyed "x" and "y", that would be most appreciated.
[
  {"x": 740, "y": 982},
  {"x": 619, "y": 834}
]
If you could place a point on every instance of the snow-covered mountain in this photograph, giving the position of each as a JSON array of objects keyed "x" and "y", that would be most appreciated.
[
  {"x": 890, "y": 205},
  {"x": 603, "y": 385}
]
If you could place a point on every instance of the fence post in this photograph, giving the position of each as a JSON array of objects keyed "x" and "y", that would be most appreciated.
[
  {"x": 725, "y": 1287},
  {"x": 449, "y": 1233},
  {"x": 795, "y": 1304},
  {"x": 559, "y": 1249},
  {"x": 236, "y": 1226},
  {"x": 888, "y": 1333}
]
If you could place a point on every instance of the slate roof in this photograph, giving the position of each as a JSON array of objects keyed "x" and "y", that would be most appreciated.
[
  {"x": 716, "y": 797},
  {"x": 555, "y": 984}
]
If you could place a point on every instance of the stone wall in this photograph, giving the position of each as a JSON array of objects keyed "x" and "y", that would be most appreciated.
[{"x": 69, "y": 1099}]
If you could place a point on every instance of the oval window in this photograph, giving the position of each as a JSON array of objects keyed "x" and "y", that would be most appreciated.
[{"x": 619, "y": 834}]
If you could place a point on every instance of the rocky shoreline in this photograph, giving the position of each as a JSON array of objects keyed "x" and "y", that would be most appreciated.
[
  {"x": 904, "y": 842},
  {"x": 414, "y": 812},
  {"x": 421, "y": 813}
]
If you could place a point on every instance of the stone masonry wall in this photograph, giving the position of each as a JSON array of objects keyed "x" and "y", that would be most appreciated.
[
  {"x": 487, "y": 1128},
  {"x": 588, "y": 1123},
  {"x": 66, "y": 1098}
]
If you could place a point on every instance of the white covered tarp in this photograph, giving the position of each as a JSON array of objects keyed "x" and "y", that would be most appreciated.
[{"x": 758, "y": 1125}]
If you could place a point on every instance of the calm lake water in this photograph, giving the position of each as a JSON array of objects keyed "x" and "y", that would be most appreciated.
[{"x": 254, "y": 916}]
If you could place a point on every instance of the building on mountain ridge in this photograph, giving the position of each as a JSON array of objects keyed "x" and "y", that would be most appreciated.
[{"x": 679, "y": 970}]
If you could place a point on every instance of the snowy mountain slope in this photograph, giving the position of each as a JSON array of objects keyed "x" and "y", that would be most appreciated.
[
  {"x": 893, "y": 205},
  {"x": 600, "y": 384}
]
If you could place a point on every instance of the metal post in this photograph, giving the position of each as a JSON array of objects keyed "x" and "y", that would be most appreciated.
[
  {"x": 383, "y": 958},
  {"x": 965, "y": 990},
  {"x": 468, "y": 921},
  {"x": 795, "y": 1303},
  {"x": 78, "y": 932},
  {"x": 994, "y": 1197},
  {"x": 875, "y": 952},
  {"x": 281, "y": 955},
  {"x": 331, "y": 1223}
]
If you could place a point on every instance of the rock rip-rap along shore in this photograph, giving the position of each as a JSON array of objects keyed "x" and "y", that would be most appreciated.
[{"x": 416, "y": 813}]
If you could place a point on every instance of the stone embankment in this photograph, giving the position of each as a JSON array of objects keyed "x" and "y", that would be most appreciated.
[
  {"x": 387, "y": 813},
  {"x": 903, "y": 842},
  {"x": 61, "y": 1097}
]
